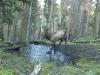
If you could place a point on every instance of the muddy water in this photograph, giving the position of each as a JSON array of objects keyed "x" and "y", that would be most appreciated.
[{"x": 39, "y": 53}]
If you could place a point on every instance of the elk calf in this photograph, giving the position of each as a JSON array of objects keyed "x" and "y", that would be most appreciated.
[{"x": 59, "y": 35}]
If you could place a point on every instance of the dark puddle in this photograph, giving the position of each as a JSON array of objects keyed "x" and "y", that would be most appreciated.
[
  {"x": 39, "y": 53},
  {"x": 69, "y": 54}
]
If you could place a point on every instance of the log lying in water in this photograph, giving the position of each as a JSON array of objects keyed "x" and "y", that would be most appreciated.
[
  {"x": 37, "y": 42},
  {"x": 15, "y": 47}
]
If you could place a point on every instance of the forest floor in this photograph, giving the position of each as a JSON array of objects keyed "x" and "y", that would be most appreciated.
[{"x": 13, "y": 63}]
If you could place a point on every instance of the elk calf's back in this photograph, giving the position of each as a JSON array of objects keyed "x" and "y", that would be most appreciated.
[{"x": 58, "y": 35}]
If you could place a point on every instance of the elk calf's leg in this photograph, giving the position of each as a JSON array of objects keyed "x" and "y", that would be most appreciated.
[
  {"x": 54, "y": 46},
  {"x": 59, "y": 43},
  {"x": 65, "y": 41}
]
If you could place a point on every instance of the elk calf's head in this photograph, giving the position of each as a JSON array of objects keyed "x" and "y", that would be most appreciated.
[{"x": 47, "y": 34}]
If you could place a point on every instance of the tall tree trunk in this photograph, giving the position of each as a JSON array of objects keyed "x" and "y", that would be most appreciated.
[
  {"x": 74, "y": 21},
  {"x": 1, "y": 19},
  {"x": 98, "y": 18},
  {"x": 29, "y": 23}
]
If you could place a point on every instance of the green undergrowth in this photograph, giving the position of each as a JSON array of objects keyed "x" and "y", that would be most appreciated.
[
  {"x": 87, "y": 39},
  {"x": 12, "y": 63},
  {"x": 15, "y": 64},
  {"x": 83, "y": 67},
  {"x": 6, "y": 69},
  {"x": 89, "y": 67}
]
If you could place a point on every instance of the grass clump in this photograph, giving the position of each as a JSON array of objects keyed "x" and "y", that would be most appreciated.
[
  {"x": 46, "y": 68},
  {"x": 6, "y": 69},
  {"x": 89, "y": 67}
]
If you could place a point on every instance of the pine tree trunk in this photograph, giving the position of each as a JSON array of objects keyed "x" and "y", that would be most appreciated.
[{"x": 98, "y": 18}]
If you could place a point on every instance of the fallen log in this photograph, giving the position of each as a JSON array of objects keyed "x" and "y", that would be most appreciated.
[
  {"x": 17, "y": 47},
  {"x": 36, "y": 69},
  {"x": 13, "y": 48},
  {"x": 37, "y": 42}
]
